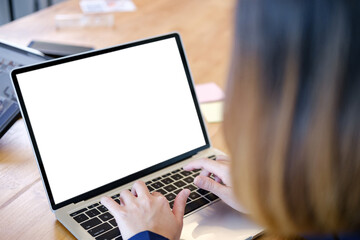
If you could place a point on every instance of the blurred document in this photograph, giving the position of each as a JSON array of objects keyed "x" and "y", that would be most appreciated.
[
  {"x": 209, "y": 92},
  {"x": 103, "y": 6},
  {"x": 213, "y": 112}
]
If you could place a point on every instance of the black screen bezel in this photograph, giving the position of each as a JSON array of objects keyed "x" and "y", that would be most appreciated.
[{"x": 134, "y": 176}]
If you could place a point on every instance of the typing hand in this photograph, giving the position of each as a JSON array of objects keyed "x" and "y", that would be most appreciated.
[
  {"x": 140, "y": 211},
  {"x": 221, "y": 185}
]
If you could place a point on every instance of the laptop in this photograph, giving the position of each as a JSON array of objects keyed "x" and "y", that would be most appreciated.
[
  {"x": 11, "y": 57},
  {"x": 100, "y": 120}
]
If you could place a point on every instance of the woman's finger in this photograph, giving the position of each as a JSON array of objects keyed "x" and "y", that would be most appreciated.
[
  {"x": 156, "y": 194},
  {"x": 126, "y": 197},
  {"x": 206, "y": 164},
  {"x": 205, "y": 173},
  {"x": 222, "y": 158},
  {"x": 217, "y": 179},
  {"x": 210, "y": 185},
  {"x": 180, "y": 203},
  {"x": 110, "y": 204},
  {"x": 139, "y": 189}
]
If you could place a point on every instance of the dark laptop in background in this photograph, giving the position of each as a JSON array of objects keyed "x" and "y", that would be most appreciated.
[
  {"x": 101, "y": 120},
  {"x": 12, "y": 57},
  {"x": 56, "y": 50}
]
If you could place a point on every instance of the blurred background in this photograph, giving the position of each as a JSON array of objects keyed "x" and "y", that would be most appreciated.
[{"x": 13, "y": 9}]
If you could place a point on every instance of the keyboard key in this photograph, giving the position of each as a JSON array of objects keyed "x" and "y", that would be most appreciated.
[
  {"x": 162, "y": 191},
  {"x": 195, "y": 205},
  {"x": 177, "y": 191},
  {"x": 150, "y": 188},
  {"x": 106, "y": 216},
  {"x": 170, "y": 188},
  {"x": 197, "y": 170},
  {"x": 116, "y": 196},
  {"x": 156, "y": 179},
  {"x": 113, "y": 222},
  {"x": 93, "y": 205},
  {"x": 166, "y": 175},
  {"x": 77, "y": 212},
  {"x": 148, "y": 182},
  {"x": 175, "y": 171},
  {"x": 99, "y": 229},
  {"x": 92, "y": 213},
  {"x": 196, "y": 174},
  {"x": 118, "y": 201},
  {"x": 185, "y": 173},
  {"x": 176, "y": 177},
  {"x": 171, "y": 204},
  {"x": 90, "y": 223},
  {"x": 109, "y": 235},
  {"x": 102, "y": 208},
  {"x": 189, "y": 179},
  {"x": 202, "y": 191},
  {"x": 170, "y": 197},
  {"x": 157, "y": 185},
  {"x": 80, "y": 218},
  {"x": 191, "y": 187},
  {"x": 212, "y": 157},
  {"x": 211, "y": 196},
  {"x": 194, "y": 195},
  {"x": 167, "y": 181},
  {"x": 179, "y": 184}
]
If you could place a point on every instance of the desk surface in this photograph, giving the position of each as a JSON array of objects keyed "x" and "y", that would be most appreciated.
[{"x": 206, "y": 29}]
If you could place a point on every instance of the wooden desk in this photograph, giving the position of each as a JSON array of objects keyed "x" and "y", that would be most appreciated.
[{"x": 206, "y": 29}]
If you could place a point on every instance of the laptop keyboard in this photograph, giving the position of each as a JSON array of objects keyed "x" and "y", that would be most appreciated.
[
  {"x": 7, "y": 94},
  {"x": 7, "y": 65},
  {"x": 99, "y": 223}
]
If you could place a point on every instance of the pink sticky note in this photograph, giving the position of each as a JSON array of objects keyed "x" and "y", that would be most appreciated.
[{"x": 209, "y": 92}]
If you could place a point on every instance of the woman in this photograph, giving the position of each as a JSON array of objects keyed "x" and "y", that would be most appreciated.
[{"x": 292, "y": 124}]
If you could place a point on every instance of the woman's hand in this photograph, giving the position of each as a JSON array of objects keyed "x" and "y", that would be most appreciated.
[
  {"x": 141, "y": 211},
  {"x": 221, "y": 185}
]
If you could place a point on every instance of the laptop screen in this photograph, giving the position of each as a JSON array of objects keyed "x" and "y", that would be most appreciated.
[{"x": 98, "y": 118}]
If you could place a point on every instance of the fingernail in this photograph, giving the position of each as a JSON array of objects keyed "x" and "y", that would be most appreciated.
[
  {"x": 103, "y": 199},
  {"x": 197, "y": 180},
  {"x": 186, "y": 192}
]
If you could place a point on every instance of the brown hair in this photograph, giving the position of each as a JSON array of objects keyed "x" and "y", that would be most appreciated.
[{"x": 292, "y": 114}]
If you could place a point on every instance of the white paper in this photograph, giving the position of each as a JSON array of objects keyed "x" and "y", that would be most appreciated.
[{"x": 104, "y": 6}]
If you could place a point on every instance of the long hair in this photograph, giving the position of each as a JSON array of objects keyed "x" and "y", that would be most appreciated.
[{"x": 292, "y": 114}]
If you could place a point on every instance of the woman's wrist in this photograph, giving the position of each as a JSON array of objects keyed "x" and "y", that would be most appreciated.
[{"x": 148, "y": 235}]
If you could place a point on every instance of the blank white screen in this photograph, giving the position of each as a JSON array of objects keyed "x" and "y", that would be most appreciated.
[{"x": 102, "y": 118}]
